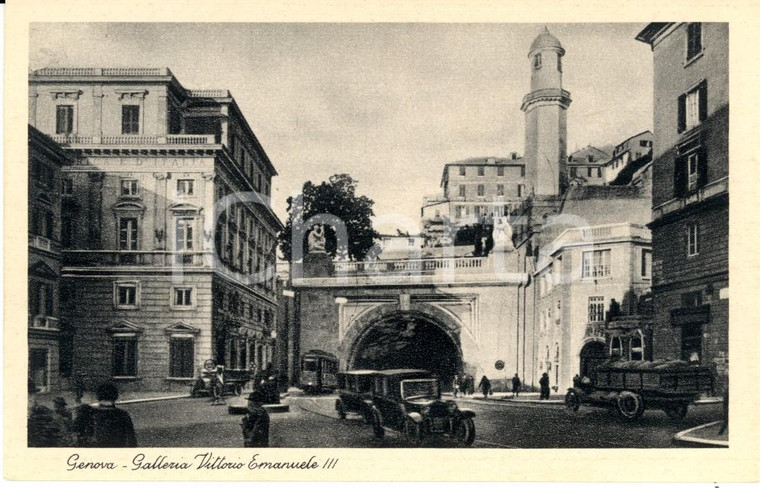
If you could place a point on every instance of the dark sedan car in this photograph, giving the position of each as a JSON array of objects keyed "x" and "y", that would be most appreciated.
[
  {"x": 409, "y": 401},
  {"x": 355, "y": 393}
]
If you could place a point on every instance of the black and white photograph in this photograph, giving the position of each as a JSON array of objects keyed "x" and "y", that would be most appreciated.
[{"x": 392, "y": 235}]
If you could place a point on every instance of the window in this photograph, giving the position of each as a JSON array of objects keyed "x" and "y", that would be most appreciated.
[
  {"x": 596, "y": 264},
  {"x": 481, "y": 171},
  {"x": 598, "y": 172},
  {"x": 537, "y": 61},
  {"x": 459, "y": 212},
  {"x": 125, "y": 356},
  {"x": 692, "y": 170},
  {"x": 691, "y": 299},
  {"x": 67, "y": 187},
  {"x": 130, "y": 188},
  {"x": 126, "y": 295},
  {"x": 128, "y": 234},
  {"x": 462, "y": 171},
  {"x": 692, "y": 107},
  {"x": 40, "y": 301},
  {"x": 183, "y": 297},
  {"x": 42, "y": 173},
  {"x": 181, "y": 352},
  {"x": 500, "y": 190},
  {"x": 691, "y": 343},
  {"x": 184, "y": 187},
  {"x": 636, "y": 348},
  {"x": 692, "y": 239},
  {"x": 590, "y": 159},
  {"x": 43, "y": 223},
  {"x": 481, "y": 190},
  {"x": 589, "y": 171},
  {"x": 130, "y": 119},
  {"x": 644, "y": 143},
  {"x": 184, "y": 234},
  {"x": 67, "y": 231},
  {"x": 64, "y": 119},
  {"x": 573, "y": 172},
  {"x": 500, "y": 171},
  {"x": 411, "y": 242},
  {"x": 693, "y": 40},
  {"x": 616, "y": 347},
  {"x": 522, "y": 171},
  {"x": 462, "y": 191},
  {"x": 520, "y": 189},
  {"x": 646, "y": 263}
]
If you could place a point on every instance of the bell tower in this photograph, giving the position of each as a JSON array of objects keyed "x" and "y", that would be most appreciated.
[{"x": 545, "y": 110}]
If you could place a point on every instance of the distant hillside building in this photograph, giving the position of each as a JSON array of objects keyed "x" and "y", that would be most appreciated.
[
  {"x": 586, "y": 166},
  {"x": 627, "y": 152},
  {"x": 157, "y": 278},
  {"x": 690, "y": 192}
]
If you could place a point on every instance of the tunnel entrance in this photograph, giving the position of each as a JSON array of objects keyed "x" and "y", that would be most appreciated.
[{"x": 404, "y": 340}]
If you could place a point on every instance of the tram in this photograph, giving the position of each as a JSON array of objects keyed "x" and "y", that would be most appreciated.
[{"x": 318, "y": 371}]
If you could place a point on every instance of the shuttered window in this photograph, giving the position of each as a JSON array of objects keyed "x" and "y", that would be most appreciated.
[
  {"x": 130, "y": 119},
  {"x": 125, "y": 356},
  {"x": 182, "y": 350}
]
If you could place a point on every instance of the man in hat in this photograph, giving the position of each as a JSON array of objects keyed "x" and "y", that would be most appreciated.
[
  {"x": 255, "y": 424},
  {"x": 112, "y": 426}
]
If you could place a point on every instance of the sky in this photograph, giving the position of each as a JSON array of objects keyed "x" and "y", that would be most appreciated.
[{"x": 389, "y": 104}]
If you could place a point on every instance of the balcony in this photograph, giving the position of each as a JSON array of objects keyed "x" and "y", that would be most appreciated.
[
  {"x": 714, "y": 188},
  {"x": 43, "y": 243},
  {"x": 410, "y": 266},
  {"x": 43, "y": 322},
  {"x": 135, "y": 140},
  {"x": 103, "y": 72},
  {"x": 137, "y": 258}
]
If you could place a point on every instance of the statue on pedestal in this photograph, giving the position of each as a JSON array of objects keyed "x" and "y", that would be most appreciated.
[
  {"x": 317, "y": 239},
  {"x": 502, "y": 235}
]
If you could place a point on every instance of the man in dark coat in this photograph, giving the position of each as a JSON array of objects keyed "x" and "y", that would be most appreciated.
[
  {"x": 112, "y": 427},
  {"x": 544, "y": 383},
  {"x": 255, "y": 424},
  {"x": 516, "y": 385},
  {"x": 485, "y": 386}
]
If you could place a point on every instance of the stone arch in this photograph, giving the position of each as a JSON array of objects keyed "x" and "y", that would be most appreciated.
[
  {"x": 360, "y": 326},
  {"x": 591, "y": 355}
]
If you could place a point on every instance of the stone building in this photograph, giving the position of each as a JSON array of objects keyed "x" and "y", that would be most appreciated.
[
  {"x": 47, "y": 366},
  {"x": 167, "y": 229},
  {"x": 631, "y": 151},
  {"x": 690, "y": 193},
  {"x": 586, "y": 166}
]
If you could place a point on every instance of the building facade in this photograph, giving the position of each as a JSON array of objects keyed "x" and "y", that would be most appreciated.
[
  {"x": 47, "y": 364},
  {"x": 627, "y": 152},
  {"x": 586, "y": 166},
  {"x": 578, "y": 277},
  {"x": 167, "y": 230},
  {"x": 690, "y": 192}
]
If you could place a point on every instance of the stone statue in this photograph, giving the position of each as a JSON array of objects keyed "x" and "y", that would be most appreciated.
[
  {"x": 317, "y": 238},
  {"x": 502, "y": 235}
]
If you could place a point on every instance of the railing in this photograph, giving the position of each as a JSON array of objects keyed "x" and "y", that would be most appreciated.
[
  {"x": 43, "y": 243},
  {"x": 137, "y": 258},
  {"x": 103, "y": 72},
  {"x": 408, "y": 266},
  {"x": 209, "y": 93},
  {"x": 710, "y": 190},
  {"x": 135, "y": 140},
  {"x": 42, "y": 322},
  {"x": 593, "y": 234}
]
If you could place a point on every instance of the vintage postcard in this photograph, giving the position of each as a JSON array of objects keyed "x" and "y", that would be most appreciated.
[{"x": 388, "y": 241}]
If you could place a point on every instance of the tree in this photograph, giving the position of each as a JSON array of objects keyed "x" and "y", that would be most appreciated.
[{"x": 337, "y": 198}]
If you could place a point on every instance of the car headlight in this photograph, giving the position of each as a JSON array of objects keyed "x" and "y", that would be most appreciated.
[{"x": 309, "y": 383}]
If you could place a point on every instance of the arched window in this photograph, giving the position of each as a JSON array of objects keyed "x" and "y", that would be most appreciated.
[
  {"x": 637, "y": 347},
  {"x": 537, "y": 61},
  {"x": 616, "y": 347}
]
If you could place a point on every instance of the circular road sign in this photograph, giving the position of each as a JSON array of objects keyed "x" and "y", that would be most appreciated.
[
  {"x": 499, "y": 365},
  {"x": 209, "y": 364}
]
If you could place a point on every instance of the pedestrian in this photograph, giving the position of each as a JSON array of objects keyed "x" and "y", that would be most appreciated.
[
  {"x": 217, "y": 386},
  {"x": 577, "y": 381},
  {"x": 255, "y": 424},
  {"x": 516, "y": 385},
  {"x": 544, "y": 383},
  {"x": 456, "y": 385},
  {"x": 42, "y": 429},
  {"x": 62, "y": 417},
  {"x": 485, "y": 386},
  {"x": 470, "y": 385},
  {"x": 83, "y": 426},
  {"x": 111, "y": 426}
]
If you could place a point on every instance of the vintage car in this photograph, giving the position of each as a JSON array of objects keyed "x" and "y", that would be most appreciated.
[
  {"x": 355, "y": 393},
  {"x": 233, "y": 381},
  {"x": 409, "y": 401},
  {"x": 632, "y": 386}
]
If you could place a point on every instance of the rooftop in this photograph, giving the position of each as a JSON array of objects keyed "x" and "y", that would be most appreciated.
[{"x": 546, "y": 40}]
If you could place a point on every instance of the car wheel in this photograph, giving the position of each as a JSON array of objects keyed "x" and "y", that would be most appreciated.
[
  {"x": 630, "y": 405},
  {"x": 412, "y": 432},
  {"x": 676, "y": 412},
  {"x": 572, "y": 401},
  {"x": 464, "y": 432},
  {"x": 340, "y": 409},
  {"x": 377, "y": 425},
  {"x": 197, "y": 388}
]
